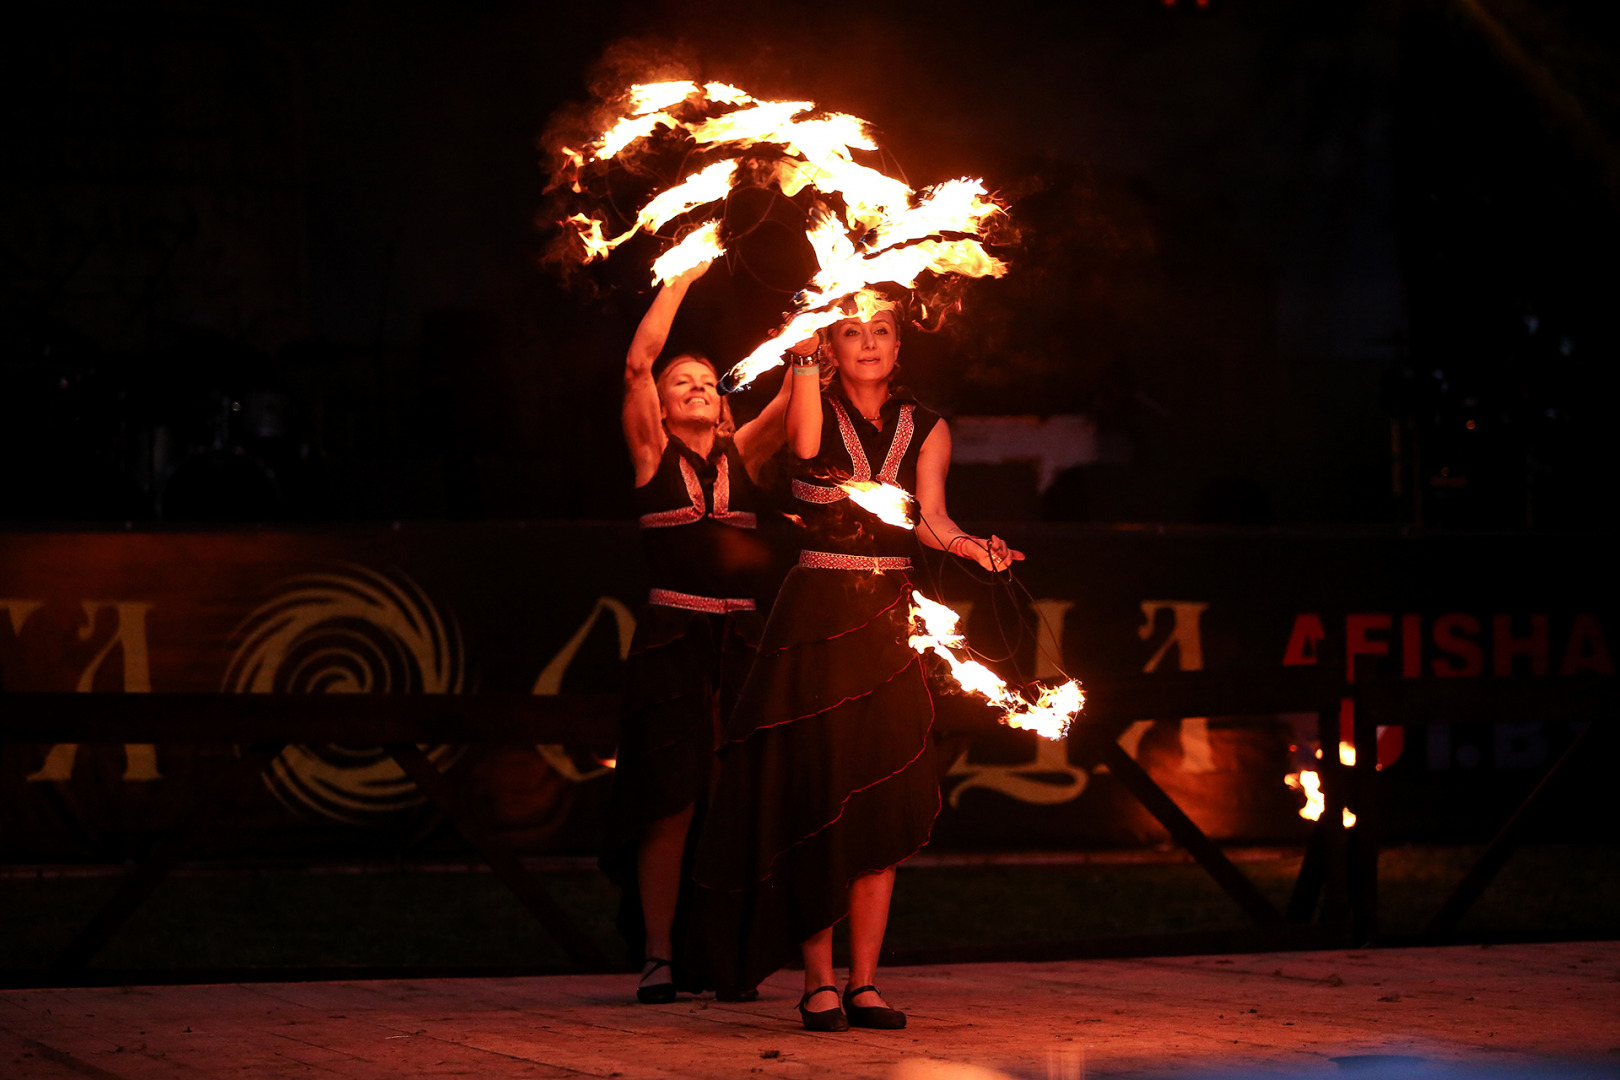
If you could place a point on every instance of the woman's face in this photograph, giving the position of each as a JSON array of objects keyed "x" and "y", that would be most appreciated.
[
  {"x": 688, "y": 393},
  {"x": 866, "y": 351}
]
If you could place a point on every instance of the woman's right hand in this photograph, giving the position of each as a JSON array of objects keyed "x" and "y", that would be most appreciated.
[{"x": 994, "y": 556}]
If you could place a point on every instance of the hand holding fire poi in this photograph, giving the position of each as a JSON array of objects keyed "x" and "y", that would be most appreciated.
[
  {"x": 995, "y": 556},
  {"x": 934, "y": 626},
  {"x": 865, "y": 227}
]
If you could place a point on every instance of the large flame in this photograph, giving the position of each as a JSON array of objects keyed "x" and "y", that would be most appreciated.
[
  {"x": 933, "y": 629},
  {"x": 866, "y": 228},
  {"x": 891, "y": 504},
  {"x": 700, "y": 246}
]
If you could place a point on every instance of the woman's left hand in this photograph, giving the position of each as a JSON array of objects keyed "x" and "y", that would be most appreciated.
[{"x": 995, "y": 556}]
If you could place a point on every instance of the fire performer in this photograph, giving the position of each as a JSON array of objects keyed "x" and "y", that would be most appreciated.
[
  {"x": 696, "y": 495},
  {"x": 827, "y": 780}
]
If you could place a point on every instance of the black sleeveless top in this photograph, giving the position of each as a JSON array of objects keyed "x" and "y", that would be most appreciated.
[
  {"x": 852, "y": 448},
  {"x": 699, "y": 525}
]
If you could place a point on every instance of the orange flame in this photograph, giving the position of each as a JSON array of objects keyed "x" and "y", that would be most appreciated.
[
  {"x": 707, "y": 185},
  {"x": 725, "y": 95},
  {"x": 903, "y": 234},
  {"x": 656, "y": 97},
  {"x": 933, "y": 629},
  {"x": 589, "y": 231},
  {"x": 954, "y": 206},
  {"x": 761, "y": 121},
  {"x": 891, "y": 504},
  {"x": 1310, "y": 784},
  {"x": 700, "y": 246},
  {"x": 627, "y": 131}
]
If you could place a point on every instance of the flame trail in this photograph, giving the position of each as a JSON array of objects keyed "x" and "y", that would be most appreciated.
[
  {"x": 699, "y": 247},
  {"x": 890, "y": 503},
  {"x": 866, "y": 228},
  {"x": 933, "y": 629}
]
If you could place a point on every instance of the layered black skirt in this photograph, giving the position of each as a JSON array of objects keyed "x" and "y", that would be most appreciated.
[
  {"x": 826, "y": 772},
  {"x": 683, "y": 673}
]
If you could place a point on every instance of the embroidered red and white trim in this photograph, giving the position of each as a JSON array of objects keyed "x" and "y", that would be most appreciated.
[
  {"x": 688, "y": 602},
  {"x": 903, "y": 429},
  {"x": 876, "y": 564},
  {"x": 722, "y": 512},
  {"x": 817, "y": 493},
  {"x": 860, "y": 469}
]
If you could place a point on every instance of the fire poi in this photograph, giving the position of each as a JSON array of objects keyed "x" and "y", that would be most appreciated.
[
  {"x": 864, "y": 226},
  {"x": 866, "y": 229},
  {"x": 934, "y": 630}
]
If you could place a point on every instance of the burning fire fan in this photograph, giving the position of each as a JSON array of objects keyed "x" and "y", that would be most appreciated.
[{"x": 865, "y": 227}]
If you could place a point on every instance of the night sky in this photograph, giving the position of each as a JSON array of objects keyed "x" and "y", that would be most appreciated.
[{"x": 1305, "y": 264}]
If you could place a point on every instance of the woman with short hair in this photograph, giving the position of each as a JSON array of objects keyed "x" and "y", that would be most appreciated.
[{"x": 698, "y": 504}]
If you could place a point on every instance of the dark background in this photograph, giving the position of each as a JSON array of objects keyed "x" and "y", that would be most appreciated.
[
  {"x": 1322, "y": 263},
  {"x": 1311, "y": 263}
]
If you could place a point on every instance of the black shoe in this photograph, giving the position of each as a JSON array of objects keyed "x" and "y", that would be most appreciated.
[
  {"x": 832, "y": 1019},
  {"x": 658, "y": 993},
  {"x": 871, "y": 1016}
]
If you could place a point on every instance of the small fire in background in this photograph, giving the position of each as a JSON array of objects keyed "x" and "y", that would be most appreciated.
[
  {"x": 892, "y": 505},
  {"x": 933, "y": 629},
  {"x": 1309, "y": 783},
  {"x": 865, "y": 227}
]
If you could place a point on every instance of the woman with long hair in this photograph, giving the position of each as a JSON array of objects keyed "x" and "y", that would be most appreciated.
[{"x": 827, "y": 780}]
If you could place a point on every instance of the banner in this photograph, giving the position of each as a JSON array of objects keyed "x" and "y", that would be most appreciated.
[{"x": 549, "y": 608}]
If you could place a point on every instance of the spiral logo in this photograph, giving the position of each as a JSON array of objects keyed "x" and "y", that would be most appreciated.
[{"x": 353, "y": 632}]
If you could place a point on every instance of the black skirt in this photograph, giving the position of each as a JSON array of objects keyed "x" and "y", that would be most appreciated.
[
  {"x": 683, "y": 672},
  {"x": 826, "y": 772}
]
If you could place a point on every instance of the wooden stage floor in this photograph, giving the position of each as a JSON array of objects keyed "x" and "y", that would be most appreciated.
[{"x": 1505, "y": 1010}]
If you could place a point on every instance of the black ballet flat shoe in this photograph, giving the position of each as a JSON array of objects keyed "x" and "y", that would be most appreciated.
[
  {"x": 871, "y": 1016},
  {"x": 832, "y": 1019},
  {"x": 658, "y": 993}
]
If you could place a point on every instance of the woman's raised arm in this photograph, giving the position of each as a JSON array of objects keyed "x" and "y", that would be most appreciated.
[
  {"x": 804, "y": 410},
  {"x": 759, "y": 439},
  {"x": 643, "y": 423},
  {"x": 934, "y": 526}
]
